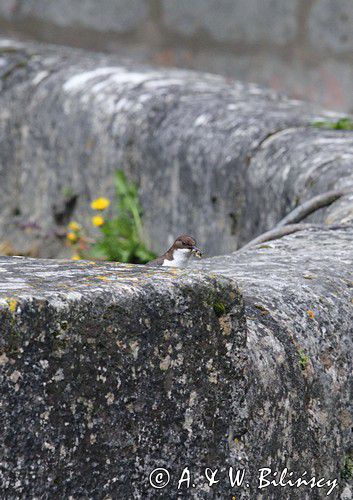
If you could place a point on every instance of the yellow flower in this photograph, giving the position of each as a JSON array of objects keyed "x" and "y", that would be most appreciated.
[
  {"x": 97, "y": 221},
  {"x": 74, "y": 226},
  {"x": 76, "y": 257},
  {"x": 100, "y": 204},
  {"x": 72, "y": 237}
]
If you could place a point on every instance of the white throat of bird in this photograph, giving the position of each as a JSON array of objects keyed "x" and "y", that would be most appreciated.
[{"x": 180, "y": 258}]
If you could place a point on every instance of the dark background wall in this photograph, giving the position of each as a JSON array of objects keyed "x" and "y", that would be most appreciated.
[{"x": 302, "y": 47}]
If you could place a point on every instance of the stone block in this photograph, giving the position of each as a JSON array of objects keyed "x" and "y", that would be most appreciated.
[
  {"x": 109, "y": 371},
  {"x": 240, "y": 21},
  {"x": 104, "y": 16},
  {"x": 7, "y": 8},
  {"x": 331, "y": 26}
]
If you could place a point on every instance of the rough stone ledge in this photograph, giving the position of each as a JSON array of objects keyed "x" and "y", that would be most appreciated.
[
  {"x": 101, "y": 361},
  {"x": 298, "y": 296},
  {"x": 112, "y": 370},
  {"x": 108, "y": 371}
]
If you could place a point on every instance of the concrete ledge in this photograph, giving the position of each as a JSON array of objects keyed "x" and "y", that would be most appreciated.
[
  {"x": 298, "y": 296},
  {"x": 110, "y": 371}
]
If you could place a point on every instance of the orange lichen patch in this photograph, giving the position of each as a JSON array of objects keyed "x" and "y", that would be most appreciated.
[
  {"x": 103, "y": 278},
  {"x": 12, "y": 303},
  {"x": 311, "y": 314},
  {"x": 174, "y": 272}
]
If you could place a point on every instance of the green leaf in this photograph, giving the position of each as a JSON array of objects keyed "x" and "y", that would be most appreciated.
[
  {"x": 121, "y": 184},
  {"x": 344, "y": 123},
  {"x": 122, "y": 236}
]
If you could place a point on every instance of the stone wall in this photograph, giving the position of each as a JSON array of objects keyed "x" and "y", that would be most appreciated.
[
  {"x": 228, "y": 160},
  {"x": 108, "y": 371},
  {"x": 294, "y": 326},
  {"x": 302, "y": 47}
]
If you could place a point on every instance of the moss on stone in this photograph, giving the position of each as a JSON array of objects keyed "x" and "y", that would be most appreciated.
[
  {"x": 347, "y": 471},
  {"x": 303, "y": 359},
  {"x": 219, "y": 308}
]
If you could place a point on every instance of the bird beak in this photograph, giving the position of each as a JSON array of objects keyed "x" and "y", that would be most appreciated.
[{"x": 196, "y": 252}]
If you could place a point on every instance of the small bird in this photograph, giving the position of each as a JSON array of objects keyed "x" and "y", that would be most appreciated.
[{"x": 179, "y": 253}]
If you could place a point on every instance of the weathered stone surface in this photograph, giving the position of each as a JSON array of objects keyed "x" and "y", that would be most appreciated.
[
  {"x": 114, "y": 370},
  {"x": 105, "y": 15},
  {"x": 248, "y": 21},
  {"x": 288, "y": 45},
  {"x": 327, "y": 82},
  {"x": 7, "y": 8},
  {"x": 111, "y": 371},
  {"x": 108, "y": 371},
  {"x": 69, "y": 119},
  {"x": 331, "y": 25},
  {"x": 291, "y": 167},
  {"x": 298, "y": 295}
]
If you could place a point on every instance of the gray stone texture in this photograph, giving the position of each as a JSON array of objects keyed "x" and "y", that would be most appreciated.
[
  {"x": 250, "y": 21},
  {"x": 108, "y": 370},
  {"x": 298, "y": 301},
  {"x": 327, "y": 81},
  {"x": 331, "y": 26},
  {"x": 70, "y": 119},
  {"x": 301, "y": 47},
  {"x": 106, "y": 15},
  {"x": 7, "y": 8}
]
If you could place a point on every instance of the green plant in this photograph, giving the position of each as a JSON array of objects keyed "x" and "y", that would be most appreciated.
[
  {"x": 67, "y": 192},
  {"x": 121, "y": 236},
  {"x": 219, "y": 308},
  {"x": 347, "y": 471},
  {"x": 341, "y": 124},
  {"x": 303, "y": 359}
]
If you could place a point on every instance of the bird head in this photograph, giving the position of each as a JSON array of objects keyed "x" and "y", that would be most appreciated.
[{"x": 186, "y": 242}]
